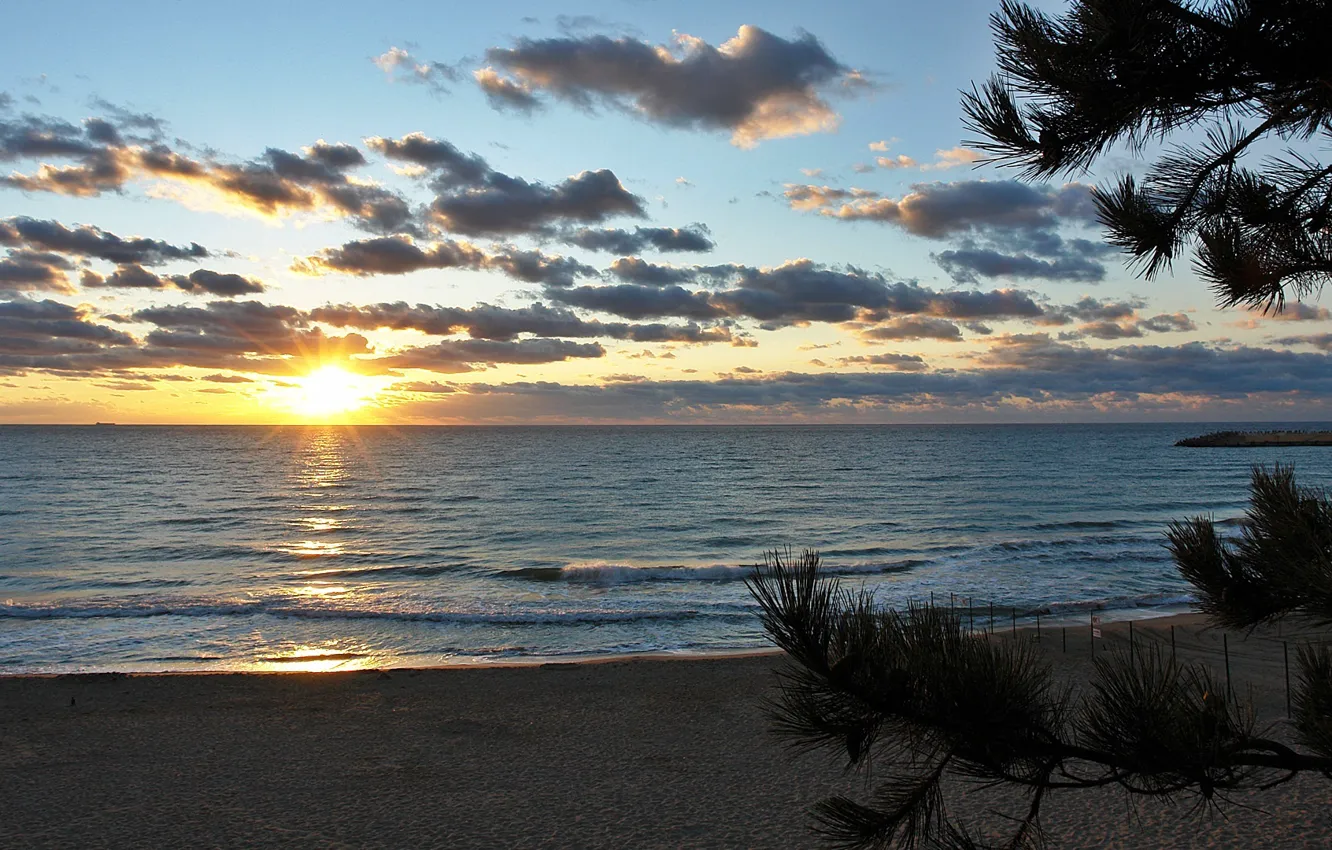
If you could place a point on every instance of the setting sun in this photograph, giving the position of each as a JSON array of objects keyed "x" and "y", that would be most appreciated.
[{"x": 329, "y": 390}]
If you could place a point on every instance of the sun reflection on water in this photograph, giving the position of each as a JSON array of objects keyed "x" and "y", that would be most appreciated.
[
  {"x": 324, "y": 658},
  {"x": 320, "y": 472},
  {"x": 312, "y": 549}
]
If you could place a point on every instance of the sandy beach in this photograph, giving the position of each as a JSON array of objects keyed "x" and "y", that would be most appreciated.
[{"x": 618, "y": 754}]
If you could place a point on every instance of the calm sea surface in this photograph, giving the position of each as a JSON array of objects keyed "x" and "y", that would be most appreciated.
[{"x": 133, "y": 548}]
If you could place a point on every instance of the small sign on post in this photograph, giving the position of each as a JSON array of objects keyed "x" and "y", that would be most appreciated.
[{"x": 1096, "y": 621}]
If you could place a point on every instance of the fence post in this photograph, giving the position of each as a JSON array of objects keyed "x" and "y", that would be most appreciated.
[
  {"x": 992, "y": 617},
  {"x": 1132, "y": 646},
  {"x": 1225, "y": 647},
  {"x": 1285, "y": 657},
  {"x": 1038, "y": 626},
  {"x": 1172, "y": 643},
  {"x": 971, "y": 616},
  {"x": 1063, "y": 634}
]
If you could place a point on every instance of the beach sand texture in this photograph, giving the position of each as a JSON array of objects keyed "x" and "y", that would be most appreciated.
[{"x": 622, "y": 754}]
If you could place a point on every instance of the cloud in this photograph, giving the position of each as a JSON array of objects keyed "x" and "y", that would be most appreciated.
[
  {"x": 476, "y": 200},
  {"x": 277, "y": 183},
  {"x": 943, "y": 159},
  {"x": 34, "y": 271},
  {"x": 636, "y": 301},
  {"x": 638, "y": 271},
  {"x": 237, "y": 337},
  {"x": 695, "y": 238},
  {"x": 899, "y": 161},
  {"x": 1168, "y": 323},
  {"x": 243, "y": 327},
  {"x": 1002, "y": 228},
  {"x": 449, "y": 166},
  {"x": 1321, "y": 341},
  {"x": 89, "y": 241},
  {"x": 246, "y": 337},
  {"x": 399, "y": 65},
  {"x": 913, "y": 327},
  {"x": 455, "y": 356},
  {"x": 794, "y": 292},
  {"x": 1295, "y": 311},
  {"x": 431, "y": 387},
  {"x": 756, "y": 85},
  {"x": 504, "y": 93},
  {"x": 402, "y": 255},
  {"x": 510, "y": 205},
  {"x": 896, "y": 362},
  {"x": 1028, "y": 378},
  {"x": 197, "y": 282},
  {"x": 952, "y": 158},
  {"x": 966, "y": 265},
  {"x": 486, "y": 321},
  {"x": 1089, "y": 309},
  {"x": 45, "y": 328},
  {"x": 940, "y": 210}
]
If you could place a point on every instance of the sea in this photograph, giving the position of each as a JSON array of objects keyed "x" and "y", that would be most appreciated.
[{"x": 331, "y": 548}]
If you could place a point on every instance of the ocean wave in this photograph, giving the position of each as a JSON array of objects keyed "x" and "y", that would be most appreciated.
[
  {"x": 1070, "y": 542},
  {"x": 197, "y": 608},
  {"x": 314, "y": 656},
  {"x": 1110, "y": 603},
  {"x": 405, "y": 570},
  {"x": 601, "y": 573},
  {"x": 1087, "y": 523},
  {"x": 198, "y": 520}
]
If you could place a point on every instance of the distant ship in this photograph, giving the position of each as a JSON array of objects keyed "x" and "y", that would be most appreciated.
[{"x": 104, "y": 424}]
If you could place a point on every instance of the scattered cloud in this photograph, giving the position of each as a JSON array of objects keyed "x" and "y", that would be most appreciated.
[
  {"x": 475, "y": 200},
  {"x": 400, "y": 65},
  {"x": 35, "y": 271},
  {"x": 197, "y": 282},
  {"x": 899, "y": 161},
  {"x": 467, "y": 355},
  {"x": 277, "y": 183},
  {"x": 913, "y": 327},
  {"x": 393, "y": 255},
  {"x": 695, "y": 238},
  {"x": 89, "y": 241},
  {"x": 486, "y": 321},
  {"x": 1002, "y": 228},
  {"x": 1320, "y": 341},
  {"x": 756, "y": 85},
  {"x": 1031, "y": 375},
  {"x": 504, "y": 93},
  {"x": 896, "y": 362},
  {"x": 939, "y": 210}
]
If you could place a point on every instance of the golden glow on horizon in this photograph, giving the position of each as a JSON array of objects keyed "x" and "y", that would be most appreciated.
[{"x": 328, "y": 391}]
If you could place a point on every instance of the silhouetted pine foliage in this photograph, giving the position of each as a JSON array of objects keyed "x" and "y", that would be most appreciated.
[
  {"x": 917, "y": 698},
  {"x": 1280, "y": 564},
  {"x": 1135, "y": 71}
]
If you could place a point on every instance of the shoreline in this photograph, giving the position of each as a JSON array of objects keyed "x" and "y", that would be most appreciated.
[{"x": 1025, "y": 624}]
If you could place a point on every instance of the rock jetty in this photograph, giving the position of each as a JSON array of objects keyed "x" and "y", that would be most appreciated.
[{"x": 1254, "y": 439}]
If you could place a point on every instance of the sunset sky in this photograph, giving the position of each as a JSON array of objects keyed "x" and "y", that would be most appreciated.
[{"x": 625, "y": 212}]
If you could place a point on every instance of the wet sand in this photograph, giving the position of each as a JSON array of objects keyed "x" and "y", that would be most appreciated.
[{"x": 622, "y": 754}]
